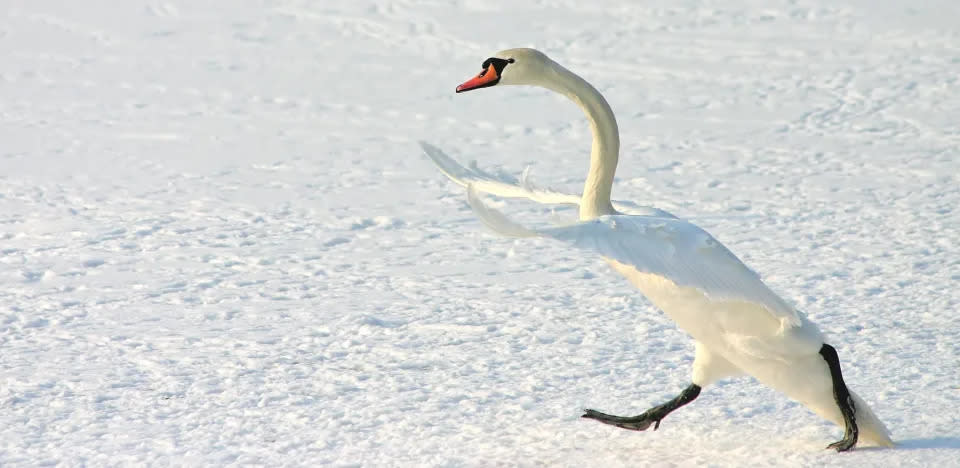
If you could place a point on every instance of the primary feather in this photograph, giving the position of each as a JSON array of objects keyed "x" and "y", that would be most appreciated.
[{"x": 511, "y": 187}]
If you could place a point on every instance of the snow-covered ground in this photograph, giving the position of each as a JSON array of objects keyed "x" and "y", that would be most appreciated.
[{"x": 220, "y": 243}]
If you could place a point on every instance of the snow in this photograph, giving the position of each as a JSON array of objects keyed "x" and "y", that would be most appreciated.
[{"x": 220, "y": 242}]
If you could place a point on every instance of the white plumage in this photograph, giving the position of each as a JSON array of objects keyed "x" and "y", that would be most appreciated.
[
  {"x": 739, "y": 324},
  {"x": 509, "y": 187}
]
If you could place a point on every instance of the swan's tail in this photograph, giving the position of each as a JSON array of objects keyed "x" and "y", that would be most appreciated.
[{"x": 871, "y": 428}]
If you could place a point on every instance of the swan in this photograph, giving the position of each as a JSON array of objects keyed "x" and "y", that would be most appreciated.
[{"x": 739, "y": 325}]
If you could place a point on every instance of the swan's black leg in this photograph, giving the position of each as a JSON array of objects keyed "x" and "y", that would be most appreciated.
[
  {"x": 842, "y": 395},
  {"x": 650, "y": 416}
]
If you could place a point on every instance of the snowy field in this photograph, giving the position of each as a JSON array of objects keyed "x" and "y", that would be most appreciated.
[{"x": 220, "y": 243}]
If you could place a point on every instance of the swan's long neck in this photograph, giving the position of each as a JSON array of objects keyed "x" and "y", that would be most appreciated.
[{"x": 606, "y": 140}]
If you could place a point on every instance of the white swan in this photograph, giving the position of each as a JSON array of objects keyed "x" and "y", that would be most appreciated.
[{"x": 739, "y": 324}]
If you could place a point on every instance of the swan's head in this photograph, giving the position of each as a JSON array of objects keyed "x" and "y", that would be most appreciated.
[{"x": 510, "y": 67}]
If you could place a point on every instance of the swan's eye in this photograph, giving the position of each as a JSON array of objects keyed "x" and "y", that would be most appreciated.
[{"x": 510, "y": 60}]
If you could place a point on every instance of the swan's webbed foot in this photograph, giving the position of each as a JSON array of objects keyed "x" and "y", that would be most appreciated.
[
  {"x": 652, "y": 416},
  {"x": 634, "y": 423},
  {"x": 844, "y": 444}
]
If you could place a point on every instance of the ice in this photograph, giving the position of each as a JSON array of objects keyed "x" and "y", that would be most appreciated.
[{"x": 220, "y": 242}]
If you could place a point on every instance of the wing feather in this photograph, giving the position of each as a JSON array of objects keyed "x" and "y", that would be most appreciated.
[
  {"x": 506, "y": 186},
  {"x": 667, "y": 247}
]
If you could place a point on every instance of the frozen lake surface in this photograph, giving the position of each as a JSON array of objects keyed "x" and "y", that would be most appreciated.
[{"x": 220, "y": 242}]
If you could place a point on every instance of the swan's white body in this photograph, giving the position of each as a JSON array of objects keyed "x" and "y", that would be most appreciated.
[{"x": 739, "y": 324}]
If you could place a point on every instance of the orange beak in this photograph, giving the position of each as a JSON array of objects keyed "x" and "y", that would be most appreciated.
[{"x": 486, "y": 78}]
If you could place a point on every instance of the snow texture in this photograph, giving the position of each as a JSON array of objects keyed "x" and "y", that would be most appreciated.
[{"x": 220, "y": 243}]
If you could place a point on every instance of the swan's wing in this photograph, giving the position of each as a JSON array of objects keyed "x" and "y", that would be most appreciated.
[
  {"x": 670, "y": 248},
  {"x": 509, "y": 187},
  {"x": 502, "y": 185},
  {"x": 678, "y": 251},
  {"x": 630, "y": 208}
]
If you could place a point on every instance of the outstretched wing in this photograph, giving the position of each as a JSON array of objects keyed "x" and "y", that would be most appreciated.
[
  {"x": 509, "y": 187},
  {"x": 670, "y": 248}
]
